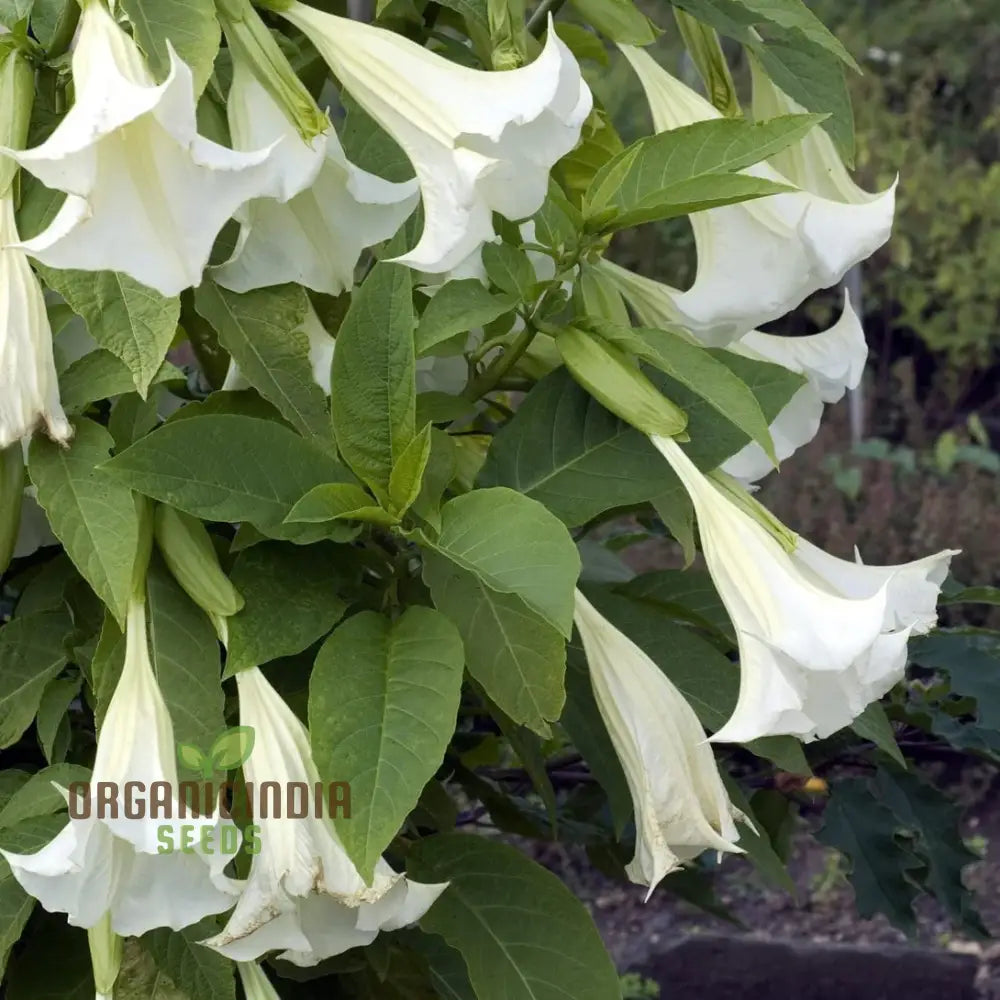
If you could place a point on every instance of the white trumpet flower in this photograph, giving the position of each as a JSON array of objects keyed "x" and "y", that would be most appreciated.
[
  {"x": 480, "y": 142},
  {"x": 681, "y": 805},
  {"x": 759, "y": 259},
  {"x": 325, "y": 211},
  {"x": 110, "y": 858},
  {"x": 29, "y": 389},
  {"x": 819, "y": 637},
  {"x": 832, "y": 362},
  {"x": 146, "y": 194},
  {"x": 304, "y": 894}
]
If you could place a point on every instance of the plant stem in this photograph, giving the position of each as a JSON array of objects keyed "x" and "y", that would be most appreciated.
[{"x": 489, "y": 379}]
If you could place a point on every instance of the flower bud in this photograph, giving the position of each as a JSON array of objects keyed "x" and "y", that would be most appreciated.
[
  {"x": 191, "y": 557},
  {"x": 17, "y": 95},
  {"x": 105, "y": 956},
  {"x": 610, "y": 377}
]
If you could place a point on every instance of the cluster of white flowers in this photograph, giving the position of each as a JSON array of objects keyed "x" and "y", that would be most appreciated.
[{"x": 819, "y": 637}]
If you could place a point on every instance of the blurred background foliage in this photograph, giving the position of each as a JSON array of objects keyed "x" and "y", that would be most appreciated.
[{"x": 927, "y": 108}]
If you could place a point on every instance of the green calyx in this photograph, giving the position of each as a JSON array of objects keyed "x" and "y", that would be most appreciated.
[
  {"x": 735, "y": 492},
  {"x": 253, "y": 44}
]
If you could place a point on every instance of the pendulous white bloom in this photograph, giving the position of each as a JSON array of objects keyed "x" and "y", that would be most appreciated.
[
  {"x": 759, "y": 259},
  {"x": 832, "y": 361},
  {"x": 29, "y": 389},
  {"x": 325, "y": 210},
  {"x": 480, "y": 142},
  {"x": 147, "y": 195},
  {"x": 94, "y": 865},
  {"x": 681, "y": 805},
  {"x": 819, "y": 637},
  {"x": 304, "y": 894}
]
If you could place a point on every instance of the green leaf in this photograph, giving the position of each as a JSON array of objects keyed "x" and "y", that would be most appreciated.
[
  {"x": 698, "y": 370},
  {"x": 226, "y": 468},
  {"x": 814, "y": 79},
  {"x": 619, "y": 20},
  {"x": 262, "y": 330},
  {"x": 795, "y": 16},
  {"x": 408, "y": 472},
  {"x": 713, "y": 438},
  {"x": 756, "y": 842},
  {"x": 373, "y": 399},
  {"x": 196, "y": 970},
  {"x": 513, "y": 545},
  {"x": 531, "y": 941},
  {"x": 565, "y": 450},
  {"x": 457, "y": 307},
  {"x": 863, "y": 828},
  {"x": 133, "y": 322},
  {"x": 189, "y": 25},
  {"x": 38, "y": 796},
  {"x": 185, "y": 653},
  {"x": 383, "y": 698},
  {"x": 52, "y": 724},
  {"x": 338, "y": 502},
  {"x": 686, "y": 594},
  {"x": 291, "y": 601},
  {"x": 15, "y": 909},
  {"x": 14, "y": 11},
  {"x": 100, "y": 374},
  {"x": 516, "y": 656},
  {"x": 92, "y": 515},
  {"x": 934, "y": 821},
  {"x": 439, "y": 473},
  {"x": 510, "y": 269},
  {"x": 35, "y": 976},
  {"x": 873, "y": 724},
  {"x": 690, "y": 169},
  {"x": 974, "y": 671},
  {"x": 675, "y": 509}
]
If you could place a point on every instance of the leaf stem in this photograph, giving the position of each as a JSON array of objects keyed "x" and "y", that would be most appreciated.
[
  {"x": 488, "y": 380},
  {"x": 538, "y": 20}
]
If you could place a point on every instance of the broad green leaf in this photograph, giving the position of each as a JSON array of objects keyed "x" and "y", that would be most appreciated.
[
  {"x": 934, "y": 820},
  {"x": 756, "y": 842},
  {"x": 198, "y": 971},
  {"x": 474, "y": 11},
  {"x": 619, "y": 20},
  {"x": 34, "y": 975},
  {"x": 373, "y": 399},
  {"x": 510, "y": 269},
  {"x": 698, "y": 370},
  {"x": 15, "y": 909},
  {"x": 226, "y": 468},
  {"x": 439, "y": 473},
  {"x": 189, "y": 25},
  {"x": 516, "y": 656},
  {"x": 972, "y": 667},
  {"x": 186, "y": 659},
  {"x": 93, "y": 515},
  {"x": 565, "y": 450},
  {"x": 338, "y": 502},
  {"x": 14, "y": 11},
  {"x": 52, "y": 723},
  {"x": 582, "y": 720},
  {"x": 458, "y": 307},
  {"x": 531, "y": 941},
  {"x": 674, "y": 508},
  {"x": 863, "y": 828},
  {"x": 262, "y": 330},
  {"x": 690, "y": 169},
  {"x": 140, "y": 979},
  {"x": 814, "y": 79},
  {"x": 133, "y": 322},
  {"x": 873, "y": 724},
  {"x": 599, "y": 143},
  {"x": 39, "y": 796},
  {"x": 291, "y": 601},
  {"x": 713, "y": 438},
  {"x": 408, "y": 472},
  {"x": 101, "y": 374},
  {"x": 513, "y": 545},
  {"x": 686, "y": 594},
  {"x": 383, "y": 698},
  {"x": 369, "y": 146},
  {"x": 52, "y": 20}
]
